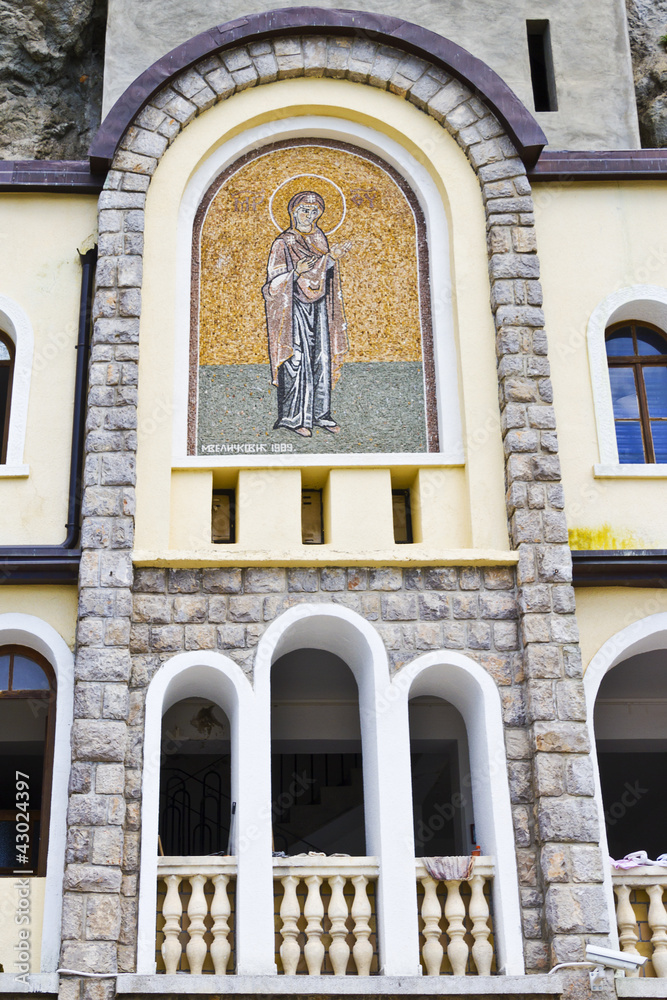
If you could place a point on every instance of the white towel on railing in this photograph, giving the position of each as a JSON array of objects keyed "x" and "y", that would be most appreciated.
[
  {"x": 448, "y": 869},
  {"x": 638, "y": 859}
]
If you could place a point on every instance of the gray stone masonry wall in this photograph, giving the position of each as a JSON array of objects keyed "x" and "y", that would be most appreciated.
[{"x": 479, "y": 611}]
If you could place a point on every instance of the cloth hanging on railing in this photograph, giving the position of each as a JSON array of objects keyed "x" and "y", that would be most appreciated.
[
  {"x": 638, "y": 859},
  {"x": 448, "y": 869}
]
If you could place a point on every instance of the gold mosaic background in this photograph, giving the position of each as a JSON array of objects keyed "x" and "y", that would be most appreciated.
[{"x": 379, "y": 275}]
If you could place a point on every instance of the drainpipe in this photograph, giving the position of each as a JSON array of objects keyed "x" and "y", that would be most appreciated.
[{"x": 60, "y": 563}]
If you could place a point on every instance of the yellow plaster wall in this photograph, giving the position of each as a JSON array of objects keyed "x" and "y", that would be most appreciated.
[
  {"x": 481, "y": 526},
  {"x": 604, "y": 611},
  {"x": 13, "y": 933},
  {"x": 594, "y": 239},
  {"x": 56, "y": 605},
  {"x": 40, "y": 271}
]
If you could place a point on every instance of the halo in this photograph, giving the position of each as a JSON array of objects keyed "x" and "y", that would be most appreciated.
[{"x": 318, "y": 177}]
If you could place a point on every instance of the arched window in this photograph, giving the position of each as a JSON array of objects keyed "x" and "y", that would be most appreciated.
[
  {"x": 27, "y": 726},
  {"x": 637, "y": 360},
  {"x": 6, "y": 377}
]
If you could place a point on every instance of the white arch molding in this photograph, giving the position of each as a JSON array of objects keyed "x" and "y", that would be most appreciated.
[
  {"x": 638, "y": 302},
  {"x": 34, "y": 633},
  {"x": 430, "y": 200},
  {"x": 15, "y": 323},
  {"x": 642, "y": 636}
]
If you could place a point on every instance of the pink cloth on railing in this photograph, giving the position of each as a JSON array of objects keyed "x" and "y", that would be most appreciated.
[
  {"x": 448, "y": 869},
  {"x": 638, "y": 859}
]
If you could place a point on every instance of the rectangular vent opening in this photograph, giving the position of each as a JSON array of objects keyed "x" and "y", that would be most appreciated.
[
  {"x": 400, "y": 501},
  {"x": 223, "y": 517},
  {"x": 312, "y": 524},
  {"x": 541, "y": 65}
]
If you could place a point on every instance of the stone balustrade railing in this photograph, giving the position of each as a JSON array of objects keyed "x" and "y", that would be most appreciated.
[
  {"x": 325, "y": 917},
  {"x": 642, "y": 916},
  {"x": 195, "y": 912},
  {"x": 466, "y": 929},
  {"x": 339, "y": 938}
]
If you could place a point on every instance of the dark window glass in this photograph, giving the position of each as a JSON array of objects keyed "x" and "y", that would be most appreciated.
[
  {"x": 619, "y": 343},
  {"x": 6, "y": 372},
  {"x": 655, "y": 380},
  {"x": 649, "y": 341},
  {"x": 624, "y": 392},
  {"x": 637, "y": 359},
  {"x": 28, "y": 675},
  {"x": 4, "y": 672},
  {"x": 659, "y": 434},
  {"x": 630, "y": 444}
]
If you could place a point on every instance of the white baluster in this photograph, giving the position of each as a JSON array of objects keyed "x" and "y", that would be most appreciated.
[
  {"x": 482, "y": 949},
  {"x": 657, "y": 919},
  {"x": 362, "y": 952},
  {"x": 290, "y": 952},
  {"x": 339, "y": 949},
  {"x": 627, "y": 923},
  {"x": 457, "y": 949},
  {"x": 221, "y": 909},
  {"x": 432, "y": 951},
  {"x": 314, "y": 913},
  {"x": 195, "y": 949},
  {"x": 172, "y": 911}
]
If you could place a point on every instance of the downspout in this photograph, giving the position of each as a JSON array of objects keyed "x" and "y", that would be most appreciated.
[{"x": 60, "y": 563}]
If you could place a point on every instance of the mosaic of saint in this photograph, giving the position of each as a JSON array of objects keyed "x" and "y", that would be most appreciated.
[{"x": 311, "y": 308}]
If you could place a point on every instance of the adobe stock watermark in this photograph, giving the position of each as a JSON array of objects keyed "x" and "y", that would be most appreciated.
[
  {"x": 630, "y": 796},
  {"x": 22, "y": 917}
]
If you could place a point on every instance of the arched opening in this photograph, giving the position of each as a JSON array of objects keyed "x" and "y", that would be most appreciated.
[
  {"x": 441, "y": 781},
  {"x": 27, "y": 729},
  {"x": 316, "y": 761},
  {"x": 195, "y": 780},
  {"x": 630, "y": 720},
  {"x": 6, "y": 378}
]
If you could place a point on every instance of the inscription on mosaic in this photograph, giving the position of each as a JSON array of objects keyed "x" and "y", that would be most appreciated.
[{"x": 311, "y": 308}]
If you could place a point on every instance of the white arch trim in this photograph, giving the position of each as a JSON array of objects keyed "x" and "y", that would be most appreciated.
[
  {"x": 430, "y": 200},
  {"x": 14, "y": 321},
  {"x": 459, "y": 680},
  {"x": 30, "y": 631},
  {"x": 642, "y": 302},
  {"x": 216, "y": 677},
  {"x": 641, "y": 636}
]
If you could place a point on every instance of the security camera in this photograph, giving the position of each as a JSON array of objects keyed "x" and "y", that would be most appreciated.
[{"x": 614, "y": 959}]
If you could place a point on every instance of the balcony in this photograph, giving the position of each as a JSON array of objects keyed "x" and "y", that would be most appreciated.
[
  {"x": 642, "y": 918},
  {"x": 325, "y": 918}
]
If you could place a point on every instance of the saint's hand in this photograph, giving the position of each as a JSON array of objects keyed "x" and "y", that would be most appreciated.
[
  {"x": 339, "y": 249},
  {"x": 305, "y": 264}
]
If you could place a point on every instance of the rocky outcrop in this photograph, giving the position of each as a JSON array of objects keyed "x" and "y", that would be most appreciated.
[
  {"x": 647, "y": 21},
  {"x": 51, "y": 70}
]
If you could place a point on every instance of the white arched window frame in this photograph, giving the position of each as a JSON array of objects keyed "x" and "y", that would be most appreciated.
[
  {"x": 33, "y": 633},
  {"x": 642, "y": 636},
  {"x": 430, "y": 200},
  {"x": 637, "y": 302},
  {"x": 15, "y": 323}
]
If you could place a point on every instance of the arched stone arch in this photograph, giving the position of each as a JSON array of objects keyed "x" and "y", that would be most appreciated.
[
  {"x": 15, "y": 323},
  {"x": 458, "y": 679},
  {"x": 216, "y": 677},
  {"x": 28, "y": 630},
  {"x": 641, "y": 636}
]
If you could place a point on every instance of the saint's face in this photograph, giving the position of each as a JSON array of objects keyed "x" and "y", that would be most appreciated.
[{"x": 305, "y": 216}]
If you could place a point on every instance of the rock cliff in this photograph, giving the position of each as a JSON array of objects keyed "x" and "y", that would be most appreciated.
[
  {"x": 51, "y": 68},
  {"x": 647, "y": 21}
]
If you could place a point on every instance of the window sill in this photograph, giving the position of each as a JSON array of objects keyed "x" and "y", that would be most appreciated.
[
  {"x": 14, "y": 472},
  {"x": 305, "y": 460},
  {"x": 630, "y": 471},
  {"x": 342, "y": 985},
  {"x": 38, "y": 982},
  {"x": 415, "y": 554},
  {"x": 640, "y": 987}
]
